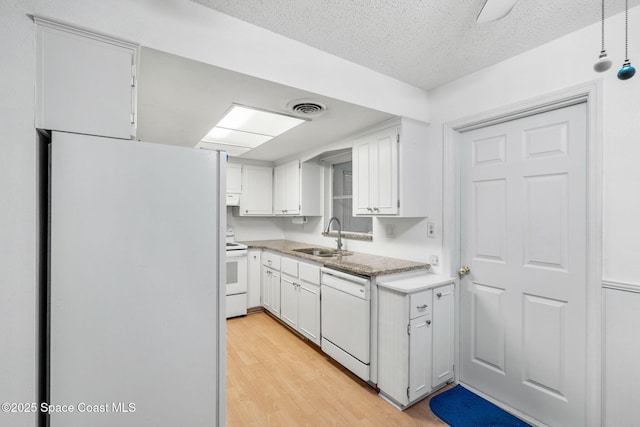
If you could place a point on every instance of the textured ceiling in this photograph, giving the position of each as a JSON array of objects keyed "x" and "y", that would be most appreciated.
[{"x": 425, "y": 43}]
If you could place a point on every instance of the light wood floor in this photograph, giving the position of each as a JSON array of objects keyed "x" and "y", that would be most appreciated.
[{"x": 276, "y": 379}]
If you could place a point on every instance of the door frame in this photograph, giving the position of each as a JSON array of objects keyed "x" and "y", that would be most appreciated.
[{"x": 591, "y": 94}]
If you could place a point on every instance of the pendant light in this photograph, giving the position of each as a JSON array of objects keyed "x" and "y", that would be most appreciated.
[
  {"x": 627, "y": 71},
  {"x": 603, "y": 63}
]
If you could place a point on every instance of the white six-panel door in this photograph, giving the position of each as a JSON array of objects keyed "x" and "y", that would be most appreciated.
[{"x": 523, "y": 235}]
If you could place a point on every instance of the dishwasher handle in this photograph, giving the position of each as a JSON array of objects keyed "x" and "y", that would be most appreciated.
[{"x": 345, "y": 276}]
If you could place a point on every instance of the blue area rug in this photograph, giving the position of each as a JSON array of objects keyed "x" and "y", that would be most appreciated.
[{"x": 459, "y": 407}]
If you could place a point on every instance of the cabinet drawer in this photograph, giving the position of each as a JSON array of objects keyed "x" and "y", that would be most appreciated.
[
  {"x": 420, "y": 303},
  {"x": 309, "y": 273},
  {"x": 271, "y": 260},
  {"x": 289, "y": 266}
]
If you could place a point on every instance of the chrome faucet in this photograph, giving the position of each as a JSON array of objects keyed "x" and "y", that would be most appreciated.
[{"x": 333, "y": 218}]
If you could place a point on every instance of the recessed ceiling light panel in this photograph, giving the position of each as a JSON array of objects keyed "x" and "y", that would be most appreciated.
[{"x": 249, "y": 127}]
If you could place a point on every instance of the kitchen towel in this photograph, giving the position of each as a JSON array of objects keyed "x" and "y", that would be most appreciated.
[{"x": 459, "y": 407}]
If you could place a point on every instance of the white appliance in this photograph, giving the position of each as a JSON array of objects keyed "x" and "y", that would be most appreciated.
[
  {"x": 136, "y": 326},
  {"x": 233, "y": 199},
  {"x": 236, "y": 281},
  {"x": 345, "y": 317}
]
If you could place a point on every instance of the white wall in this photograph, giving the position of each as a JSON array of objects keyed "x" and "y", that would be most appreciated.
[
  {"x": 18, "y": 278},
  {"x": 621, "y": 387}
]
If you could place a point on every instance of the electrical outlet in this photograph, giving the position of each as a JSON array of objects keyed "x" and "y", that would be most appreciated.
[
  {"x": 431, "y": 229},
  {"x": 390, "y": 230},
  {"x": 434, "y": 260}
]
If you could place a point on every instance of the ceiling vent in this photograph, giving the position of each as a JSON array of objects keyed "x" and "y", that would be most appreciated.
[{"x": 306, "y": 107}]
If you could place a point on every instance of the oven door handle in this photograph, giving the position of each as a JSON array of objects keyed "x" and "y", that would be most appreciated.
[{"x": 236, "y": 254}]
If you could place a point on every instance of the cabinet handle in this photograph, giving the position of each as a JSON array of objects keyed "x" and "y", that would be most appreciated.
[
  {"x": 269, "y": 261},
  {"x": 440, "y": 294},
  {"x": 422, "y": 307},
  {"x": 376, "y": 209},
  {"x": 246, "y": 211},
  {"x": 428, "y": 322}
]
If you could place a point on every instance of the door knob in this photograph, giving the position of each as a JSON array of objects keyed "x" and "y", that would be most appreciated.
[{"x": 464, "y": 270}]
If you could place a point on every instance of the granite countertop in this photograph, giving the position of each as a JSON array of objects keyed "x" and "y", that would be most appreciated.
[{"x": 355, "y": 262}]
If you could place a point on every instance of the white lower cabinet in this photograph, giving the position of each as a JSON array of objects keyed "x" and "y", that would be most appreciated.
[
  {"x": 419, "y": 357},
  {"x": 443, "y": 335},
  {"x": 309, "y": 311},
  {"x": 254, "y": 278},
  {"x": 271, "y": 282},
  {"x": 300, "y": 290},
  {"x": 289, "y": 301},
  {"x": 415, "y": 341}
]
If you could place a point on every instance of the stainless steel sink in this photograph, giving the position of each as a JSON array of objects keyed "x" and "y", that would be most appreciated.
[{"x": 322, "y": 252}]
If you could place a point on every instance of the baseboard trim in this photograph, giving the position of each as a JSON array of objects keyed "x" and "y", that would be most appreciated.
[{"x": 254, "y": 310}]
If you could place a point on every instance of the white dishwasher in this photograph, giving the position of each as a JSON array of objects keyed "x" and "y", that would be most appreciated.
[{"x": 346, "y": 314}]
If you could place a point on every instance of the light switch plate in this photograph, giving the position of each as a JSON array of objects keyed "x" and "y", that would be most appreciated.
[{"x": 431, "y": 229}]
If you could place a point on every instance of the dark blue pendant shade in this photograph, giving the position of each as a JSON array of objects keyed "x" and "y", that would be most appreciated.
[{"x": 627, "y": 71}]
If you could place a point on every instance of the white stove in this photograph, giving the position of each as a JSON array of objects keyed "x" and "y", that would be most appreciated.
[
  {"x": 232, "y": 245},
  {"x": 236, "y": 281}
]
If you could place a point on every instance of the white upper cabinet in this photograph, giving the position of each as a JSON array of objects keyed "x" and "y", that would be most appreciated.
[
  {"x": 375, "y": 167},
  {"x": 390, "y": 173},
  {"x": 286, "y": 189},
  {"x": 257, "y": 186},
  {"x": 85, "y": 81},
  {"x": 297, "y": 189}
]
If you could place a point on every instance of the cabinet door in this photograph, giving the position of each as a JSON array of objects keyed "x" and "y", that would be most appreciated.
[
  {"x": 234, "y": 178},
  {"x": 257, "y": 187},
  {"x": 286, "y": 189},
  {"x": 361, "y": 177},
  {"x": 384, "y": 177},
  {"x": 289, "y": 306},
  {"x": 274, "y": 285},
  {"x": 309, "y": 311},
  {"x": 375, "y": 174},
  {"x": 266, "y": 288},
  {"x": 420, "y": 357},
  {"x": 443, "y": 334},
  {"x": 254, "y": 278},
  {"x": 292, "y": 198},
  {"x": 279, "y": 190},
  {"x": 85, "y": 82}
]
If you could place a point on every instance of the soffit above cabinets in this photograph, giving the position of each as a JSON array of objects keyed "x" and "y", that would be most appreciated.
[{"x": 180, "y": 100}]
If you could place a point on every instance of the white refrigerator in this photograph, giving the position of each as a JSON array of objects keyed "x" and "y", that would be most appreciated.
[{"x": 136, "y": 286}]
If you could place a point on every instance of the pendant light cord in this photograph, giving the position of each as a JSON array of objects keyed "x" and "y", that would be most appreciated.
[
  {"x": 626, "y": 29},
  {"x": 602, "y": 33}
]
